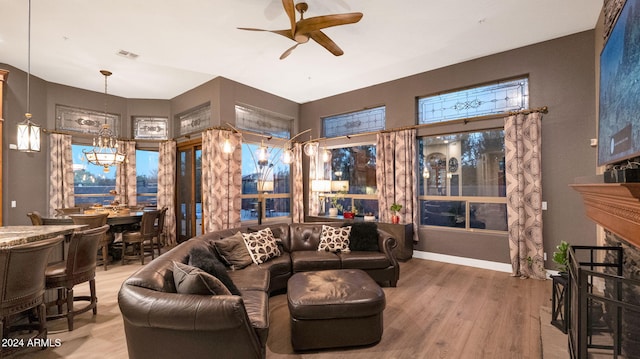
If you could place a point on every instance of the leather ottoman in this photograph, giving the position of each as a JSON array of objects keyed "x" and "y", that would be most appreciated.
[{"x": 334, "y": 308}]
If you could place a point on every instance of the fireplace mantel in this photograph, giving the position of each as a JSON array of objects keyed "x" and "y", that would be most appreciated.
[{"x": 614, "y": 206}]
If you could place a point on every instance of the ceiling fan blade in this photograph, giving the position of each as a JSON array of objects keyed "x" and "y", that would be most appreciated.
[
  {"x": 311, "y": 24},
  {"x": 324, "y": 40},
  {"x": 288, "y": 52},
  {"x": 289, "y": 8},
  {"x": 285, "y": 33}
]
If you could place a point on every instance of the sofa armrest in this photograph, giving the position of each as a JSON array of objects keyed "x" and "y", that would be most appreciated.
[
  {"x": 144, "y": 307},
  {"x": 387, "y": 243}
]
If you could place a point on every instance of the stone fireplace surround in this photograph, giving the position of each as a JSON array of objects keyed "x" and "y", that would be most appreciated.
[{"x": 616, "y": 207}]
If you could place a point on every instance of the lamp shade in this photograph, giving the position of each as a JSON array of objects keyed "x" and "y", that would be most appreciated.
[
  {"x": 320, "y": 185},
  {"x": 339, "y": 186},
  {"x": 265, "y": 186}
]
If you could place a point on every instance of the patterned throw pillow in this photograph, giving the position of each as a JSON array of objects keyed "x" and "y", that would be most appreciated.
[
  {"x": 261, "y": 245},
  {"x": 192, "y": 280},
  {"x": 334, "y": 239}
]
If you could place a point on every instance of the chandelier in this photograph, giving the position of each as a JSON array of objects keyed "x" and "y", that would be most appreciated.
[{"x": 105, "y": 151}]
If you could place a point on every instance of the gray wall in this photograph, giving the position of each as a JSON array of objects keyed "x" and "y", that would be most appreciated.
[{"x": 561, "y": 76}]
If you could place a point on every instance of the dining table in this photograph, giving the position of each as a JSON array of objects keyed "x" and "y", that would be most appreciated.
[{"x": 115, "y": 219}]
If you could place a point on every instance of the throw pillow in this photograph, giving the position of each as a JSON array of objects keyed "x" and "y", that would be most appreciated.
[
  {"x": 192, "y": 280},
  {"x": 233, "y": 251},
  {"x": 363, "y": 237},
  {"x": 334, "y": 239},
  {"x": 261, "y": 245},
  {"x": 202, "y": 258}
]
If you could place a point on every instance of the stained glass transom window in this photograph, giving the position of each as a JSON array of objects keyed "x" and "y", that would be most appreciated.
[
  {"x": 369, "y": 120},
  {"x": 504, "y": 96},
  {"x": 262, "y": 121}
]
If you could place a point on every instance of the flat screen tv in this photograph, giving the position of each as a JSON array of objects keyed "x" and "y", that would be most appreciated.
[{"x": 619, "y": 117}]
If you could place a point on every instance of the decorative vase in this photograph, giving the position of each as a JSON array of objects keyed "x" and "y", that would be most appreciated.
[
  {"x": 333, "y": 212},
  {"x": 395, "y": 219}
]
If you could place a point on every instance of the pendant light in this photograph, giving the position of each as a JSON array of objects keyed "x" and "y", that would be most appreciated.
[
  {"x": 28, "y": 131},
  {"x": 105, "y": 151}
]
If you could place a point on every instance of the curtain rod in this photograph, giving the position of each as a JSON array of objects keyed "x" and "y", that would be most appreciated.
[{"x": 543, "y": 109}]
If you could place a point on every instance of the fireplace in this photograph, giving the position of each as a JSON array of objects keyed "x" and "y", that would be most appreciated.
[{"x": 605, "y": 294}]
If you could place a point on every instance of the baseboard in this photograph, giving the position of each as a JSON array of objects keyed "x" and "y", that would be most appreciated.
[{"x": 469, "y": 262}]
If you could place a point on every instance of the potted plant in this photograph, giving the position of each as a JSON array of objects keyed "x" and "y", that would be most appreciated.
[
  {"x": 560, "y": 257},
  {"x": 395, "y": 208}
]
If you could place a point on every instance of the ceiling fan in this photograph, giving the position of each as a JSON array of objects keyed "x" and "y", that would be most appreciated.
[{"x": 304, "y": 29}]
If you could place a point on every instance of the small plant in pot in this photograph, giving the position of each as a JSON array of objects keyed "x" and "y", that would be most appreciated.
[
  {"x": 395, "y": 208},
  {"x": 560, "y": 257}
]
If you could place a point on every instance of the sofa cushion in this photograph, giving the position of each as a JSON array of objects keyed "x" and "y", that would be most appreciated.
[
  {"x": 256, "y": 302},
  {"x": 204, "y": 259},
  {"x": 193, "y": 280},
  {"x": 363, "y": 237},
  {"x": 251, "y": 278},
  {"x": 334, "y": 239},
  {"x": 233, "y": 251},
  {"x": 364, "y": 260},
  {"x": 278, "y": 266},
  {"x": 303, "y": 261},
  {"x": 262, "y": 245}
]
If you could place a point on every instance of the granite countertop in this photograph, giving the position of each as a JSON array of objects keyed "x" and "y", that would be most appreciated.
[{"x": 16, "y": 235}]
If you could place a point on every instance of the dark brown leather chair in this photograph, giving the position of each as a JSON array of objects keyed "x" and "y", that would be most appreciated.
[
  {"x": 22, "y": 287},
  {"x": 36, "y": 218},
  {"x": 95, "y": 221},
  {"x": 79, "y": 267},
  {"x": 136, "y": 241}
]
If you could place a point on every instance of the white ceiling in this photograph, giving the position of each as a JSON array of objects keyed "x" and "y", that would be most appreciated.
[{"x": 182, "y": 44}]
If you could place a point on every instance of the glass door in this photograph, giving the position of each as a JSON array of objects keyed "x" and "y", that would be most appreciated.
[{"x": 189, "y": 191}]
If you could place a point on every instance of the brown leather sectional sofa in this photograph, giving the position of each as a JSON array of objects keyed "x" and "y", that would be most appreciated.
[{"x": 160, "y": 323}]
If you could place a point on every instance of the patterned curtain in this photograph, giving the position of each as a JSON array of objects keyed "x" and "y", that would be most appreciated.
[
  {"x": 61, "y": 172},
  {"x": 314, "y": 198},
  {"x": 396, "y": 179},
  {"x": 167, "y": 187},
  {"x": 524, "y": 194},
  {"x": 126, "y": 174},
  {"x": 221, "y": 180},
  {"x": 297, "y": 194}
]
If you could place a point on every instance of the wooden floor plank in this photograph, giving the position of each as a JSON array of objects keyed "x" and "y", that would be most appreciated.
[{"x": 438, "y": 310}]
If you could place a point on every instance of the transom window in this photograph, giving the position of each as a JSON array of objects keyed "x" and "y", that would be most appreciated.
[
  {"x": 263, "y": 121},
  {"x": 369, "y": 120},
  {"x": 499, "y": 97}
]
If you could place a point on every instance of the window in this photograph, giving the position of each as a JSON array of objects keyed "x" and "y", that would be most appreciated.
[
  {"x": 91, "y": 185},
  {"x": 368, "y": 120},
  {"x": 262, "y": 121},
  {"x": 147, "y": 177},
  {"x": 499, "y": 97},
  {"x": 462, "y": 182},
  {"x": 352, "y": 171},
  {"x": 272, "y": 181}
]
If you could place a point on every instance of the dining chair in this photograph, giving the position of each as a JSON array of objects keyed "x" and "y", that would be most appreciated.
[
  {"x": 68, "y": 210},
  {"x": 79, "y": 267},
  {"x": 135, "y": 240},
  {"x": 22, "y": 287},
  {"x": 158, "y": 239},
  {"x": 36, "y": 218},
  {"x": 95, "y": 221}
]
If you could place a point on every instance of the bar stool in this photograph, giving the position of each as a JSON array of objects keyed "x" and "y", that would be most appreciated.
[
  {"x": 22, "y": 286},
  {"x": 79, "y": 267},
  {"x": 36, "y": 218},
  {"x": 135, "y": 240},
  {"x": 95, "y": 221}
]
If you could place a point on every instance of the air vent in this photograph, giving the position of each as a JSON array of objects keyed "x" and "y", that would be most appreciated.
[{"x": 127, "y": 54}]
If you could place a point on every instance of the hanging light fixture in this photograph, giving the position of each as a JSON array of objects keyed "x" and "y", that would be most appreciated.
[
  {"x": 105, "y": 151},
  {"x": 28, "y": 132}
]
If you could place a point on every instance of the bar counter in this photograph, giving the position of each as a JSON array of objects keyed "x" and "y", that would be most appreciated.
[{"x": 16, "y": 235}]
